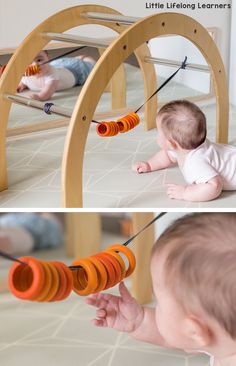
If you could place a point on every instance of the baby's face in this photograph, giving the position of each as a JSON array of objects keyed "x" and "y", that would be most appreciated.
[
  {"x": 39, "y": 59},
  {"x": 170, "y": 317}
]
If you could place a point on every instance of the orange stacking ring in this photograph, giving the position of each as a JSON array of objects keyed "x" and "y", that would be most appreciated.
[
  {"x": 62, "y": 279},
  {"x": 107, "y": 129},
  {"x": 128, "y": 122},
  {"x": 32, "y": 70},
  {"x": 111, "y": 274},
  {"x": 115, "y": 264},
  {"x": 47, "y": 283},
  {"x": 54, "y": 282},
  {"x": 119, "y": 260},
  {"x": 101, "y": 273},
  {"x": 26, "y": 282},
  {"x": 40, "y": 280},
  {"x": 84, "y": 282},
  {"x": 69, "y": 278},
  {"x": 129, "y": 255}
]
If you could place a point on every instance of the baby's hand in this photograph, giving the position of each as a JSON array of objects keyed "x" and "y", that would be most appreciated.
[
  {"x": 119, "y": 312},
  {"x": 141, "y": 167},
  {"x": 175, "y": 191},
  {"x": 21, "y": 87}
]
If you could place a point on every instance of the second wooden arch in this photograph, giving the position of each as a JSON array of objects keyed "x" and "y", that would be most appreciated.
[{"x": 136, "y": 35}]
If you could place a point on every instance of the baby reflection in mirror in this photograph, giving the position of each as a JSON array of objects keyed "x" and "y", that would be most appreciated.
[{"x": 63, "y": 73}]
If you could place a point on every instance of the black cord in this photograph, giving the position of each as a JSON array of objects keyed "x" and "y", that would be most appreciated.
[
  {"x": 64, "y": 54},
  {"x": 11, "y": 258},
  {"x": 182, "y": 67},
  {"x": 144, "y": 228}
]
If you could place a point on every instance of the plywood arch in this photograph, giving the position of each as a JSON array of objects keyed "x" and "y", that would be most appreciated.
[
  {"x": 130, "y": 40},
  {"x": 34, "y": 42}
]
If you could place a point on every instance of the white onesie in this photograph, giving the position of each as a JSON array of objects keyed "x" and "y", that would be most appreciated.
[
  {"x": 208, "y": 160},
  {"x": 64, "y": 77}
]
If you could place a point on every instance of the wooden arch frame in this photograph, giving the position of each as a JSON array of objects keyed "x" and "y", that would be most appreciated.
[
  {"x": 121, "y": 48},
  {"x": 35, "y": 42}
]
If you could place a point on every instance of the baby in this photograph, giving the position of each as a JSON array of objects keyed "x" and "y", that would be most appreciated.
[
  {"x": 60, "y": 74},
  {"x": 208, "y": 168},
  {"x": 193, "y": 268}
]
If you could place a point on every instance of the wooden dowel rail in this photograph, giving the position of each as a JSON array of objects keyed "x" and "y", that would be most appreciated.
[
  {"x": 121, "y": 19},
  {"x": 61, "y": 111},
  {"x": 72, "y": 38},
  {"x": 172, "y": 63}
]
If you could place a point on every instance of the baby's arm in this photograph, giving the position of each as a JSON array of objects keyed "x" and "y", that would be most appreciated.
[
  {"x": 21, "y": 87},
  {"x": 124, "y": 314},
  {"x": 47, "y": 92},
  {"x": 161, "y": 160},
  {"x": 197, "y": 192}
]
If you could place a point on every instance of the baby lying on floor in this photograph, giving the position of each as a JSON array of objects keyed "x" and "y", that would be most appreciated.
[
  {"x": 64, "y": 73},
  {"x": 207, "y": 167}
]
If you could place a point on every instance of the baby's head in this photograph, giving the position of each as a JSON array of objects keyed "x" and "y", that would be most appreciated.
[
  {"x": 42, "y": 57},
  {"x": 181, "y": 125},
  {"x": 193, "y": 269}
]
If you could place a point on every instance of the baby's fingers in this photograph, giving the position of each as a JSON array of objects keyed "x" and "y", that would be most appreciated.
[
  {"x": 99, "y": 322},
  {"x": 101, "y": 318}
]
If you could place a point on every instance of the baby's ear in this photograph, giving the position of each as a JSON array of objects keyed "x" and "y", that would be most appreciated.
[
  {"x": 198, "y": 331},
  {"x": 172, "y": 145}
]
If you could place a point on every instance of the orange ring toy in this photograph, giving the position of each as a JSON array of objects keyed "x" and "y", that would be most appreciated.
[
  {"x": 92, "y": 278},
  {"x": 54, "y": 284},
  {"x": 111, "y": 273},
  {"x": 69, "y": 280},
  {"x": 101, "y": 272},
  {"x": 129, "y": 255},
  {"x": 119, "y": 260},
  {"x": 62, "y": 281},
  {"x": 115, "y": 264},
  {"x": 31, "y": 289},
  {"x": 32, "y": 70},
  {"x": 47, "y": 283}
]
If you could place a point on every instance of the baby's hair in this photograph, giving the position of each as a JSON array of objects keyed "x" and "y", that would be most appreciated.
[
  {"x": 200, "y": 265},
  {"x": 184, "y": 122}
]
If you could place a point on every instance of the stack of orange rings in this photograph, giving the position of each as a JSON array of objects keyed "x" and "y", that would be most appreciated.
[
  {"x": 32, "y": 70},
  {"x": 124, "y": 124},
  {"x": 103, "y": 270},
  {"x": 128, "y": 122},
  {"x": 40, "y": 281},
  {"x": 107, "y": 129}
]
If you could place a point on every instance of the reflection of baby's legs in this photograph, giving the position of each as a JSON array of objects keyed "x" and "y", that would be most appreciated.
[
  {"x": 86, "y": 59},
  {"x": 15, "y": 240},
  {"x": 23, "y": 232}
]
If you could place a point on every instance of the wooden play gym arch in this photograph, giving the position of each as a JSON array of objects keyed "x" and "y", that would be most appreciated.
[{"x": 131, "y": 39}]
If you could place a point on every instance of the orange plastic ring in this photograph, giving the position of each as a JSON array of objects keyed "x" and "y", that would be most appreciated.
[
  {"x": 34, "y": 272},
  {"x": 69, "y": 282},
  {"x": 115, "y": 264},
  {"x": 92, "y": 278},
  {"x": 101, "y": 272},
  {"x": 62, "y": 282},
  {"x": 47, "y": 283},
  {"x": 119, "y": 260},
  {"x": 128, "y": 253},
  {"x": 111, "y": 274}
]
